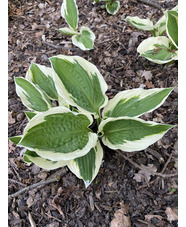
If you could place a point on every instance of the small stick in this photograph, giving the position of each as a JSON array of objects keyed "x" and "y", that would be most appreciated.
[
  {"x": 152, "y": 172},
  {"x": 58, "y": 46},
  {"x": 58, "y": 208},
  {"x": 17, "y": 182},
  {"x": 32, "y": 223},
  {"x": 57, "y": 178},
  {"x": 166, "y": 164},
  {"x": 150, "y": 3}
]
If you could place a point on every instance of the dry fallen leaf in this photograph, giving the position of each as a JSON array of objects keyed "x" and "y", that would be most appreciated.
[
  {"x": 10, "y": 146},
  {"x": 11, "y": 120},
  {"x": 144, "y": 73},
  {"x": 147, "y": 75},
  {"x": 122, "y": 218},
  {"x": 149, "y": 84},
  {"x": 172, "y": 214},
  {"x": 145, "y": 173},
  {"x": 30, "y": 201}
]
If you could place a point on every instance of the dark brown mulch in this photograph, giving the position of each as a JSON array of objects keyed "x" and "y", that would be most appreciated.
[{"x": 33, "y": 37}]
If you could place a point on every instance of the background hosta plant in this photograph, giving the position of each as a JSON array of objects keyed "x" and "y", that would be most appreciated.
[
  {"x": 111, "y": 6},
  {"x": 159, "y": 49},
  {"x": 71, "y": 133},
  {"x": 84, "y": 39}
]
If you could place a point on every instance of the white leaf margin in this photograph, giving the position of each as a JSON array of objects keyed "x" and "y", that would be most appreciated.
[
  {"x": 53, "y": 156},
  {"x": 47, "y": 71},
  {"x": 45, "y": 163},
  {"x": 20, "y": 92},
  {"x": 148, "y": 44},
  {"x": 128, "y": 94},
  {"x": 80, "y": 44},
  {"x": 167, "y": 29},
  {"x": 116, "y": 10},
  {"x": 90, "y": 68},
  {"x": 148, "y": 24},
  {"x": 68, "y": 31},
  {"x": 130, "y": 146},
  {"x": 64, "y": 9},
  {"x": 72, "y": 165}
]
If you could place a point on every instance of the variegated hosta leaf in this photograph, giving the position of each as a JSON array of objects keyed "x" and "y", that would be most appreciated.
[
  {"x": 87, "y": 167},
  {"x": 113, "y": 7},
  {"x": 135, "y": 102},
  {"x": 84, "y": 40},
  {"x": 160, "y": 27},
  {"x": 69, "y": 11},
  {"x": 68, "y": 31},
  {"x": 172, "y": 26},
  {"x": 33, "y": 98},
  {"x": 80, "y": 83},
  {"x": 158, "y": 49},
  {"x": 32, "y": 156},
  {"x": 59, "y": 134},
  {"x": 131, "y": 134},
  {"x": 29, "y": 114},
  {"x": 43, "y": 77},
  {"x": 142, "y": 24}
]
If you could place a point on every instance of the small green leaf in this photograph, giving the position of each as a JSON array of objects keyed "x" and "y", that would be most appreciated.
[
  {"x": 172, "y": 26},
  {"x": 43, "y": 77},
  {"x": 31, "y": 97},
  {"x": 87, "y": 167},
  {"x": 131, "y": 134},
  {"x": 113, "y": 7},
  {"x": 135, "y": 102},
  {"x": 29, "y": 114},
  {"x": 85, "y": 40},
  {"x": 69, "y": 12},
  {"x": 80, "y": 83},
  {"x": 59, "y": 134},
  {"x": 158, "y": 49},
  {"x": 142, "y": 24},
  {"x": 31, "y": 156},
  {"x": 15, "y": 139}
]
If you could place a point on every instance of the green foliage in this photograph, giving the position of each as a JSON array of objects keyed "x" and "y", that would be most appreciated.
[
  {"x": 70, "y": 134},
  {"x": 111, "y": 6},
  {"x": 159, "y": 49},
  {"x": 83, "y": 39}
]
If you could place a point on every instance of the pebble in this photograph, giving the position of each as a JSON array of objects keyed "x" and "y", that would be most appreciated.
[
  {"x": 20, "y": 116},
  {"x": 35, "y": 169}
]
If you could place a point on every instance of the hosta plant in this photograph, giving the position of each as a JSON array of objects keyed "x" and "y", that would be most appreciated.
[
  {"x": 159, "y": 49},
  {"x": 111, "y": 6},
  {"x": 72, "y": 133},
  {"x": 84, "y": 39}
]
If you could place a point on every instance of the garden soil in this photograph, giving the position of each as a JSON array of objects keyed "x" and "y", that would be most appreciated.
[{"x": 122, "y": 191}]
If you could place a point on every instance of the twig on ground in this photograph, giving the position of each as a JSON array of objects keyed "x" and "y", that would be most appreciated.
[
  {"x": 32, "y": 223},
  {"x": 166, "y": 164},
  {"x": 152, "y": 172},
  {"x": 58, "y": 46},
  {"x": 34, "y": 186},
  {"x": 17, "y": 182},
  {"x": 50, "y": 216},
  {"x": 151, "y": 3},
  {"x": 53, "y": 178},
  {"x": 58, "y": 208}
]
